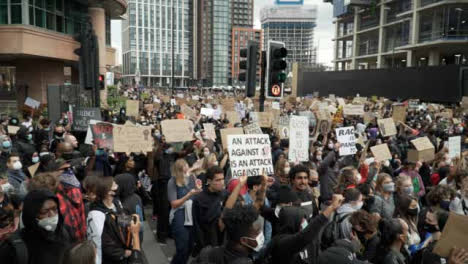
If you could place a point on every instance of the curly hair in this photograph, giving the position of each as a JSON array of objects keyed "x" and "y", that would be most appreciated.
[
  {"x": 365, "y": 220},
  {"x": 238, "y": 221},
  {"x": 439, "y": 193},
  {"x": 298, "y": 169},
  {"x": 47, "y": 180}
]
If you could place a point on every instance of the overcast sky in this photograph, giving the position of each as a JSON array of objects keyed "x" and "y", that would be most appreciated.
[{"x": 324, "y": 31}]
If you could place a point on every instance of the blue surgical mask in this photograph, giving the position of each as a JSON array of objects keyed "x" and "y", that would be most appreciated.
[
  {"x": 35, "y": 159},
  {"x": 6, "y": 144},
  {"x": 29, "y": 137}
]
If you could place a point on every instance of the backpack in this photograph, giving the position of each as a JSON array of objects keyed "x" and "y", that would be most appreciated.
[
  {"x": 21, "y": 251},
  {"x": 332, "y": 231}
]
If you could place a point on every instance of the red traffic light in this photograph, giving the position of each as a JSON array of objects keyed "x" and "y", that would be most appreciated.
[{"x": 101, "y": 78}]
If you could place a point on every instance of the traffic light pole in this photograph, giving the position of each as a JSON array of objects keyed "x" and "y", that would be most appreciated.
[{"x": 262, "y": 83}]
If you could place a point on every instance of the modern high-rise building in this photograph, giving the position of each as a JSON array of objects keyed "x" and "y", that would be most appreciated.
[
  {"x": 242, "y": 13},
  {"x": 37, "y": 45},
  {"x": 240, "y": 38},
  {"x": 153, "y": 33},
  {"x": 294, "y": 25},
  {"x": 211, "y": 40},
  {"x": 401, "y": 33}
]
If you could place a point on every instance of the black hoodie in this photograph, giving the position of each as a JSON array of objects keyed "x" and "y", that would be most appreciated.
[
  {"x": 131, "y": 202},
  {"x": 23, "y": 147},
  {"x": 43, "y": 246},
  {"x": 291, "y": 240}
]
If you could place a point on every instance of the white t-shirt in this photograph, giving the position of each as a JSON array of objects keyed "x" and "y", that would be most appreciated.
[{"x": 459, "y": 206}]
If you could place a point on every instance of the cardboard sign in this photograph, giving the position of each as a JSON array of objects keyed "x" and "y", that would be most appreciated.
[
  {"x": 424, "y": 151},
  {"x": 299, "y": 139},
  {"x": 283, "y": 127},
  {"x": 177, "y": 130},
  {"x": 455, "y": 234},
  {"x": 103, "y": 135},
  {"x": 12, "y": 130},
  {"x": 368, "y": 117},
  {"x": 229, "y": 104},
  {"x": 188, "y": 112},
  {"x": 454, "y": 147},
  {"x": 359, "y": 100},
  {"x": 82, "y": 116},
  {"x": 195, "y": 97},
  {"x": 129, "y": 138},
  {"x": 265, "y": 119},
  {"x": 210, "y": 131},
  {"x": 149, "y": 107},
  {"x": 34, "y": 104},
  {"x": 341, "y": 102},
  {"x": 253, "y": 129},
  {"x": 250, "y": 154},
  {"x": 275, "y": 105},
  {"x": 413, "y": 104},
  {"x": 208, "y": 112},
  {"x": 399, "y": 113},
  {"x": 381, "y": 152},
  {"x": 311, "y": 117},
  {"x": 233, "y": 117},
  {"x": 347, "y": 140},
  {"x": 133, "y": 108},
  {"x": 357, "y": 110},
  {"x": 229, "y": 131},
  {"x": 180, "y": 95},
  {"x": 387, "y": 127},
  {"x": 332, "y": 97}
]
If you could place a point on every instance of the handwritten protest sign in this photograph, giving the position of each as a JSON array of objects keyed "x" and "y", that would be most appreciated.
[
  {"x": 424, "y": 151},
  {"x": 387, "y": 127},
  {"x": 207, "y": 112},
  {"x": 188, "y": 112},
  {"x": 233, "y": 117},
  {"x": 381, "y": 152},
  {"x": 34, "y": 104},
  {"x": 250, "y": 154},
  {"x": 356, "y": 110},
  {"x": 275, "y": 105},
  {"x": 132, "y": 108},
  {"x": 454, "y": 146},
  {"x": 341, "y": 102},
  {"x": 283, "y": 127},
  {"x": 347, "y": 140},
  {"x": 455, "y": 234},
  {"x": 399, "y": 113},
  {"x": 82, "y": 116},
  {"x": 177, "y": 130},
  {"x": 149, "y": 107},
  {"x": 12, "y": 130},
  {"x": 229, "y": 131},
  {"x": 129, "y": 138},
  {"x": 253, "y": 129},
  {"x": 103, "y": 135},
  {"x": 298, "y": 139},
  {"x": 265, "y": 119},
  {"x": 359, "y": 100},
  {"x": 210, "y": 130},
  {"x": 228, "y": 104}
]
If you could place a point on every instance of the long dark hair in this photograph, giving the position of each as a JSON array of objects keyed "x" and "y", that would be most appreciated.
[{"x": 389, "y": 229}]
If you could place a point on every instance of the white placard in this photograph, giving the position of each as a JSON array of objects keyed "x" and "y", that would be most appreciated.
[
  {"x": 32, "y": 103},
  {"x": 250, "y": 154},
  {"x": 299, "y": 139},
  {"x": 173, "y": 102},
  {"x": 347, "y": 140},
  {"x": 454, "y": 147},
  {"x": 181, "y": 96},
  {"x": 207, "y": 112},
  {"x": 253, "y": 128},
  {"x": 275, "y": 105}
]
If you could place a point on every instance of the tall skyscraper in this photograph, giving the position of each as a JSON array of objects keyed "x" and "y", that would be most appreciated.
[
  {"x": 147, "y": 42},
  {"x": 211, "y": 42},
  {"x": 242, "y": 13},
  {"x": 240, "y": 39},
  {"x": 293, "y": 25}
]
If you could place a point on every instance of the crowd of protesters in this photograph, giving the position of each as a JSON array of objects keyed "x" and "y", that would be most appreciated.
[{"x": 64, "y": 201}]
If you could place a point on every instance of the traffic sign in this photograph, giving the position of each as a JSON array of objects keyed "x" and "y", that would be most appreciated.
[{"x": 276, "y": 90}]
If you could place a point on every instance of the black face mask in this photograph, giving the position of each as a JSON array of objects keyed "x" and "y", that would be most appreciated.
[
  {"x": 412, "y": 212},
  {"x": 59, "y": 134},
  {"x": 360, "y": 234},
  {"x": 67, "y": 156},
  {"x": 313, "y": 184}
]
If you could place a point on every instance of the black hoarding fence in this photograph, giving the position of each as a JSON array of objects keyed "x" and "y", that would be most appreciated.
[
  {"x": 446, "y": 84},
  {"x": 61, "y": 97}
]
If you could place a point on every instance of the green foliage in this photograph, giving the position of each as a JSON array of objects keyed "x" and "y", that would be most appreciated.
[{"x": 114, "y": 99}]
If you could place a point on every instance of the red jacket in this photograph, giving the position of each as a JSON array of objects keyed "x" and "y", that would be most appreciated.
[{"x": 72, "y": 210}]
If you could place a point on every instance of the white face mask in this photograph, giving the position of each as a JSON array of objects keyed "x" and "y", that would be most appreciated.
[
  {"x": 358, "y": 178},
  {"x": 330, "y": 146},
  {"x": 35, "y": 159},
  {"x": 358, "y": 206},
  {"x": 304, "y": 224},
  {"x": 6, "y": 187},
  {"x": 260, "y": 241},
  {"x": 387, "y": 163},
  {"x": 277, "y": 210},
  {"x": 49, "y": 223},
  {"x": 206, "y": 154},
  {"x": 286, "y": 170},
  {"x": 17, "y": 165}
]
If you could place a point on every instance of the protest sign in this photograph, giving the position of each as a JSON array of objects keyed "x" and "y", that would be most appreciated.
[
  {"x": 368, "y": 117},
  {"x": 103, "y": 135},
  {"x": 381, "y": 152},
  {"x": 129, "y": 138},
  {"x": 413, "y": 104},
  {"x": 12, "y": 130},
  {"x": 310, "y": 116},
  {"x": 341, "y": 102},
  {"x": 347, "y": 139},
  {"x": 252, "y": 129},
  {"x": 298, "y": 139},
  {"x": 454, "y": 147},
  {"x": 250, "y": 154},
  {"x": 188, "y": 112},
  {"x": 229, "y": 104},
  {"x": 359, "y": 100},
  {"x": 275, "y": 105},
  {"x": 180, "y": 95},
  {"x": 233, "y": 117},
  {"x": 210, "y": 131},
  {"x": 229, "y": 131},
  {"x": 332, "y": 97},
  {"x": 149, "y": 107},
  {"x": 34, "y": 104},
  {"x": 265, "y": 119},
  {"x": 350, "y": 109},
  {"x": 283, "y": 127},
  {"x": 455, "y": 234},
  {"x": 132, "y": 108},
  {"x": 173, "y": 102},
  {"x": 177, "y": 130},
  {"x": 33, "y": 168},
  {"x": 399, "y": 113},
  {"x": 208, "y": 112},
  {"x": 82, "y": 116},
  {"x": 424, "y": 151},
  {"x": 387, "y": 127}
]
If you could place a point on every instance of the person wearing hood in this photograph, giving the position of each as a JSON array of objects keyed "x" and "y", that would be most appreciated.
[
  {"x": 24, "y": 146},
  {"x": 58, "y": 137},
  {"x": 295, "y": 234},
  {"x": 44, "y": 232},
  {"x": 343, "y": 252},
  {"x": 5, "y": 150},
  {"x": 42, "y": 136}
]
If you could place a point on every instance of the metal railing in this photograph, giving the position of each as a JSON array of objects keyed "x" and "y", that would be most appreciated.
[
  {"x": 428, "y": 2},
  {"x": 368, "y": 49},
  {"x": 443, "y": 35}
]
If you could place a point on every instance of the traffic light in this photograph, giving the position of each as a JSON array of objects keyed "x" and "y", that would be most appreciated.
[
  {"x": 101, "y": 81},
  {"x": 250, "y": 66},
  {"x": 275, "y": 69}
]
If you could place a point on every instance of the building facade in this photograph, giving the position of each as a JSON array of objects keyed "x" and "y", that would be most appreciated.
[
  {"x": 37, "y": 47},
  {"x": 403, "y": 33},
  {"x": 240, "y": 38},
  {"x": 147, "y": 46},
  {"x": 294, "y": 25}
]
